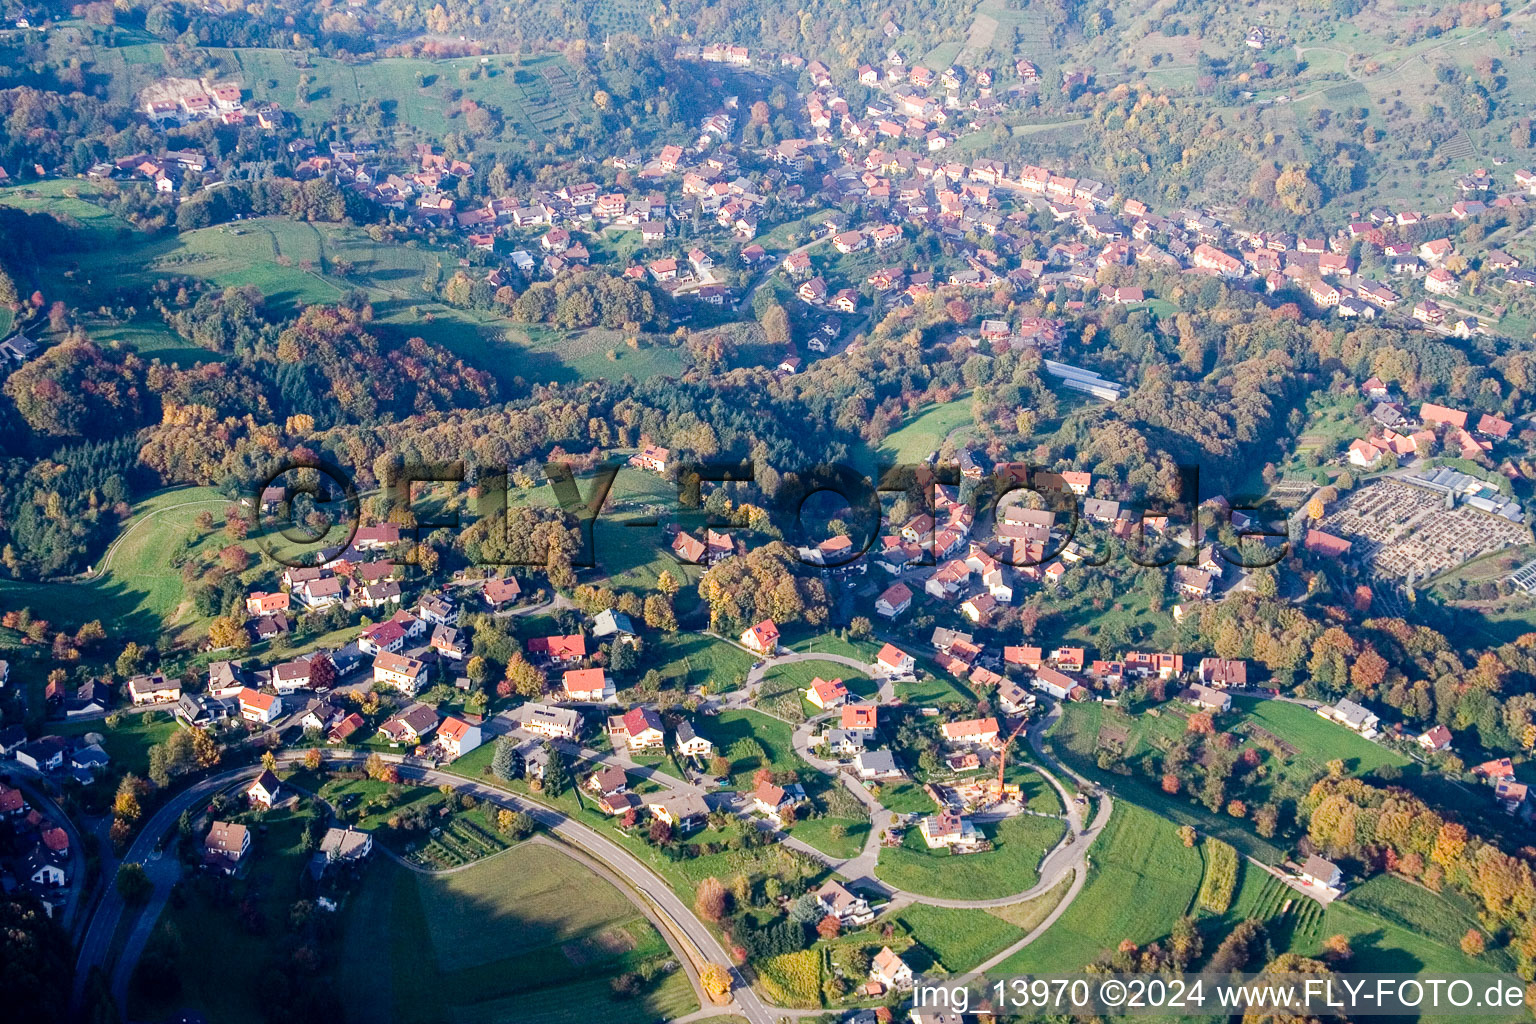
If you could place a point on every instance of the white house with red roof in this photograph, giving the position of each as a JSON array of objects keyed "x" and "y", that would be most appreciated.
[
  {"x": 381, "y": 637},
  {"x": 266, "y": 790},
  {"x": 826, "y": 693},
  {"x": 638, "y": 729},
  {"x": 864, "y": 718},
  {"x": 894, "y": 601},
  {"x": 1436, "y": 739},
  {"x": 589, "y": 684},
  {"x": 893, "y": 661},
  {"x": 762, "y": 638},
  {"x": 560, "y": 649},
  {"x": 971, "y": 731},
  {"x": 456, "y": 737},
  {"x": 256, "y": 706}
]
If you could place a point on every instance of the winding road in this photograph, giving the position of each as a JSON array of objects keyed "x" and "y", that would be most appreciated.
[{"x": 685, "y": 932}]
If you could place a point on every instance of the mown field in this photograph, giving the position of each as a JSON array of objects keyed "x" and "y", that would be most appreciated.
[
  {"x": 782, "y": 691},
  {"x": 1138, "y": 853},
  {"x": 1012, "y": 866},
  {"x": 500, "y": 940}
]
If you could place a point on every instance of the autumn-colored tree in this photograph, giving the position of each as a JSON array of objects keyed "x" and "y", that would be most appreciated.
[
  {"x": 234, "y": 558},
  {"x": 659, "y": 614},
  {"x": 313, "y": 759},
  {"x": 1170, "y": 783},
  {"x": 1336, "y": 949},
  {"x": 710, "y": 903},
  {"x": 205, "y": 748},
  {"x": 716, "y": 981},
  {"x": 1201, "y": 724},
  {"x": 1187, "y": 835},
  {"x": 1449, "y": 843},
  {"x": 829, "y": 928},
  {"x": 224, "y": 633},
  {"x": 526, "y": 678},
  {"x": 1472, "y": 943}
]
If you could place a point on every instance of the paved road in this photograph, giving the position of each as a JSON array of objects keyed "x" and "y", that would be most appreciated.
[
  {"x": 34, "y": 788},
  {"x": 746, "y": 300},
  {"x": 676, "y": 918},
  {"x": 675, "y": 915},
  {"x": 97, "y": 939}
]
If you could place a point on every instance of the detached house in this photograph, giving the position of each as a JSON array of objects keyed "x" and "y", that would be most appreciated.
[
  {"x": 762, "y": 638},
  {"x": 399, "y": 671},
  {"x": 256, "y": 706},
  {"x": 891, "y": 970},
  {"x": 638, "y": 729},
  {"x": 827, "y": 693},
  {"x": 895, "y": 600},
  {"x": 893, "y": 661},
  {"x": 154, "y": 689},
  {"x": 588, "y": 684},
  {"x": 456, "y": 737}
]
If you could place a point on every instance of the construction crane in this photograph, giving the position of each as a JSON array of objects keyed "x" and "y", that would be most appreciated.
[{"x": 1002, "y": 755}]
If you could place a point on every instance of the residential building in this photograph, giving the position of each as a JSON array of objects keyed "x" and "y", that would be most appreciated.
[
  {"x": 762, "y": 638},
  {"x": 548, "y": 720},
  {"x": 456, "y": 737},
  {"x": 400, "y": 671},
  {"x": 256, "y": 706}
]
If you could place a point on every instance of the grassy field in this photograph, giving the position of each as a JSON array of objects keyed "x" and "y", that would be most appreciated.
[
  {"x": 782, "y": 691},
  {"x": 502, "y": 939},
  {"x": 1138, "y": 853},
  {"x": 1012, "y": 866},
  {"x": 959, "y": 940},
  {"x": 734, "y": 733},
  {"x": 1309, "y": 743},
  {"x": 926, "y": 431},
  {"x": 127, "y": 745},
  {"x": 138, "y": 592},
  {"x": 1419, "y": 930},
  {"x": 693, "y": 659},
  {"x": 1027, "y": 916}
]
